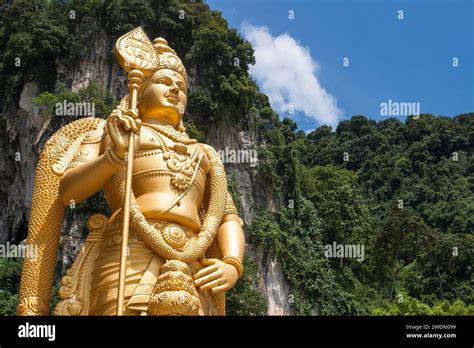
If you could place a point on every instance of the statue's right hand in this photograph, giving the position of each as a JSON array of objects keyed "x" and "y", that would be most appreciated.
[{"x": 120, "y": 126}]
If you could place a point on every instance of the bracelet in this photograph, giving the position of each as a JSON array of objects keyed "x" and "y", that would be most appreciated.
[
  {"x": 114, "y": 160},
  {"x": 234, "y": 261}
]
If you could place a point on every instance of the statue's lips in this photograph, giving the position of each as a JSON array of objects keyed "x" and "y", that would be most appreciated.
[{"x": 172, "y": 99}]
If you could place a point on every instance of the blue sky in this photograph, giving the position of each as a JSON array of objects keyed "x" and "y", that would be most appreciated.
[{"x": 407, "y": 60}]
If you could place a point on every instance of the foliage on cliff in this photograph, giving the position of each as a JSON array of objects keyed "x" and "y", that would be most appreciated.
[{"x": 403, "y": 190}]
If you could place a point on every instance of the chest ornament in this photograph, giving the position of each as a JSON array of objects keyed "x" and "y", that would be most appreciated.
[
  {"x": 182, "y": 167},
  {"x": 179, "y": 162}
]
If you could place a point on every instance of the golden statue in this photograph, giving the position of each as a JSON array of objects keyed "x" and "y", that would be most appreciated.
[{"x": 174, "y": 242}]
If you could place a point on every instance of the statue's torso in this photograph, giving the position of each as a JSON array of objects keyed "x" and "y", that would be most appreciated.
[
  {"x": 157, "y": 161},
  {"x": 167, "y": 183}
]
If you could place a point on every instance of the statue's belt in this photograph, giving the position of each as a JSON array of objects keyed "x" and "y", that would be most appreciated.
[{"x": 175, "y": 235}]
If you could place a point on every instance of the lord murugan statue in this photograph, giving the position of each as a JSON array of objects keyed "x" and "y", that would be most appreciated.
[{"x": 173, "y": 243}]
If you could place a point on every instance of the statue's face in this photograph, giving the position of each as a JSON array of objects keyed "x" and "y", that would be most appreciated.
[{"x": 164, "y": 98}]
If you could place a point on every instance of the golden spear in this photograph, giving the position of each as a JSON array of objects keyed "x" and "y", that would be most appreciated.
[{"x": 135, "y": 53}]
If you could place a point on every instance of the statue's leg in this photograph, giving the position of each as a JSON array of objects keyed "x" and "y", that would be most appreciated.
[{"x": 104, "y": 282}]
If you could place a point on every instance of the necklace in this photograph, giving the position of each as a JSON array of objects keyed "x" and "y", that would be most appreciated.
[
  {"x": 173, "y": 134},
  {"x": 180, "y": 163}
]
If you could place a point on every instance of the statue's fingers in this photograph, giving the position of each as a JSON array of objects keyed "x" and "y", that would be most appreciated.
[
  {"x": 131, "y": 121},
  {"x": 207, "y": 262},
  {"x": 208, "y": 278},
  {"x": 126, "y": 124},
  {"x": 113, "y": 116},
  {"x": 205, "y": 271},
  {"x": 133, "y": 125},
  {"x": 113, "y": 129},
  {"x": 211, "y": 285},
  {"x": 132, "y": 113},
  {"x": 111, "y": 123},
  {"x": 138, "y": 125},
  {"x": 220, "y": 288}
]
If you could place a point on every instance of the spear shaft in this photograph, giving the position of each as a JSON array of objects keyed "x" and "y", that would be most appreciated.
[{"x": 135, "y": 78}]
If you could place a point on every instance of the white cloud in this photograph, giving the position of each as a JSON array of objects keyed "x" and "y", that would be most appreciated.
[{"x": 286, "y": 72}]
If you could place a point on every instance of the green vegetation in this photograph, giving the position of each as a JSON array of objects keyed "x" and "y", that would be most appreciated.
[
  {"x": 407, "y": 305},
  {"x": 244, "y": 298},
  {"x": 102, "y": 99},
  {"x": 403, "y": 190},
  {"x": 43, "y": 33},
  {"x": 10, "y": 270}
]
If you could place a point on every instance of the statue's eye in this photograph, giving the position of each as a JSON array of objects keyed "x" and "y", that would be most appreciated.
[{"x": 162, "y": 81}]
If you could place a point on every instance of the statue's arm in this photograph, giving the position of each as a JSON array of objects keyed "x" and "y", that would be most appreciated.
[
  {"x": 101, "y": 159},
  {"x": 86, "y": 178},
  {"x": 230, "y": 236},
  {"x": 221, "y": 275},
  {"x": 45, "y": 221}
]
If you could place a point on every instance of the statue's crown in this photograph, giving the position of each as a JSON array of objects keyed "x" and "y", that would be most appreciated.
[
  {"x": 167, "y": 57},
  {"x": 134, "y": 50}
]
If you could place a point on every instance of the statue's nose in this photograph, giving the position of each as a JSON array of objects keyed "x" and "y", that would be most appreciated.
[{"x": 174, "y": 88}]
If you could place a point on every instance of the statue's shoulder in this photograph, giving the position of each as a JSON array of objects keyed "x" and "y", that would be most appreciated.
[
  {"x": 61, "y": 147},
  {"x": 87, "y": 129},
  {"x": 97, "y": 134},
  {"x": 212, "y": 157},
  {"x": 206, "y": 147},
  {"x": 210, "y": 151}
]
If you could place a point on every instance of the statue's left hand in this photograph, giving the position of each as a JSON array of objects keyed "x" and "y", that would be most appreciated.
[{"x": 216, "y": 276}]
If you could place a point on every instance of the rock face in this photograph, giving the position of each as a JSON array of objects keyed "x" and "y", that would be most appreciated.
[
  {"x": 271, "y": 281},
  {"x": 26, "y": 131},
  {"x": 18, "y": 158},
  {"x": 99, "y": 68},
  {"x": 252, "y": 193}
]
